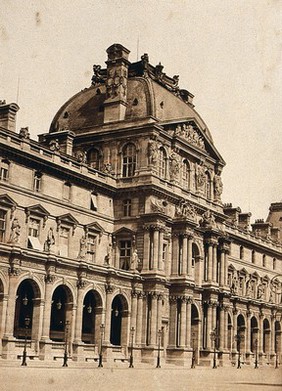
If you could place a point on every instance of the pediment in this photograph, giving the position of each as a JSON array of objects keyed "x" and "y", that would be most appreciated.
[
  {"x": 7, "y": 201},
  {"x": 67, "y": 219},
  {"x": 243, "y": 271},
  {"x": 190, "y": 131},
  {"x": 94, "y": 227},
  {"x": 38, "y": 210},
  {"x": 123, "y": 231}
]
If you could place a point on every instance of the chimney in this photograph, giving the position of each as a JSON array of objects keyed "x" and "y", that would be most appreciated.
[
  {"x": 8, "y": 115},
  {"x": 232, "y": 213},
  {"x": 244, "y": 220},
  {"x": 116, "y": 83}
]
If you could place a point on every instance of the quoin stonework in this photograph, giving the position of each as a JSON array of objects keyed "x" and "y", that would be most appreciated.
[{"x": 113, "y": 234}]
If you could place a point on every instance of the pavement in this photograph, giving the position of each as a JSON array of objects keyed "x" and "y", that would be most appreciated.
[{"x": 88, "y": 378}]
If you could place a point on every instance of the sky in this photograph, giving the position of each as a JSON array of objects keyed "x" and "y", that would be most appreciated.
[{"x": 227, "y": 53}]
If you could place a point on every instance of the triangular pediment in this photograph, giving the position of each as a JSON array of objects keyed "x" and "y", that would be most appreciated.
[
  {"x": 123, "y": 231},
  {"x": 38, "y": 210},
  {"x": 67, "y": 219},
  {"x": 244, "y": 271},
  {"x": 6, "y": 201},
  {"x": 190, "y": 131},
  {"x": 94, "y": 227}
]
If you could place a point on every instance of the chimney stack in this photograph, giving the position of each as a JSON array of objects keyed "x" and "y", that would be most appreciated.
[
  {"x": 116, "y": 83},
  {"x": 8, "y": 113}
]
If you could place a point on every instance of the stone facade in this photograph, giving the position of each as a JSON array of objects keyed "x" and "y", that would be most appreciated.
[{"x": 113, "y": 233}]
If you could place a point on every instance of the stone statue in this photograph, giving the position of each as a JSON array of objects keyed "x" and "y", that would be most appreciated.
[
  {"x": 234, "y": 285},
  {"x": 108, "y": 168},
  {"x": 218, "y": 186},
  {"x": 24, "y": 133},
  {"x": 50, "y": 241},
  {"x": 208, "y": 219},
  {"x": 134, "y": 260},
  {"x": 250, "y": 288},
  {"x": 152, "y": 152},
  {"x": 260, "y": 291},
  {"x": 81, "y": 156},
  {"x": 15, "y": 231},
  {"x": 185, "y": 209},
  {"x": 82, "y": 248},
  {"x": 200, "y": 176},
  {"x": 174, "y": 166},
  {"x": 54, "y": 145},
  {"x": 108, "y": 257}
]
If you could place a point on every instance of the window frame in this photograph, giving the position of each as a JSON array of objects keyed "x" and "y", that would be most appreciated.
[
  {"x": 124, "y": 260},
  {"x": 129, "y": 160},
  {"x": 127, "y": 207}
]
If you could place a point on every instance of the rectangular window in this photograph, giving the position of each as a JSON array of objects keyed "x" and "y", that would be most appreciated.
[
  {"x": 64, "y": 241},
  {"x": 91, "y": 247},
  {"x": 164, "y": 252},
  {"x": 125, "y": 254},
  {"x": 127, "y": 207},
  {"x": 4, "y": 173},
  {"x": 3, "y": 214},
  {"x": 33, "y": 228}
]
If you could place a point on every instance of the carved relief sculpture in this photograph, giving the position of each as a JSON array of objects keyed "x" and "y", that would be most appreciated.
[
  {"x": 185, "y": 210},
  {"x": 190, "y": 134},
  {"x": 152, "y": 152},
  {"x": 15, "y": 231},
  {"x": 80, "y": 156},
  {"x": 208, "y": 220},
  {"x": 54, "y": 145},
  {"x": 158, "y": 205}
]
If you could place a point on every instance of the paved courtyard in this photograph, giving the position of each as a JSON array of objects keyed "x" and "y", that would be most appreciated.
[{"x": 33, "y": 378}]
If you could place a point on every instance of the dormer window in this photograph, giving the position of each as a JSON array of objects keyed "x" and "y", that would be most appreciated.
[{"x": 36, "y": 217}]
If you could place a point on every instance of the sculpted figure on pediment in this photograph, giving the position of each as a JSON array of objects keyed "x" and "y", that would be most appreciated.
[
  {"x": 186, "y": 210},
  {"x": 208, "y": 219},
  {"x": 158, "y": 205}
]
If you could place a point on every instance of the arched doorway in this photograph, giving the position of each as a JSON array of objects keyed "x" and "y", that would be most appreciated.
[
  {"x": 240, "y": 336},
  {"x": 91, "y": 317},
  {"x": 24, "y": 311},
  {"x": 254, "y": 335},
  {"x": 196, "y": 270},
  {"x": 266, "y": 337},
  {"x": 277, "y": 340},
  {"x": 118, "y": 334},
  {"x": 229, "y": 333},
  {"x": 60, "y": 313},
  {"x": 195, "y": 332}
]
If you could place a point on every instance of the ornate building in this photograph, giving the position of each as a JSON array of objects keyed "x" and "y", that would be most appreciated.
[{"x": 112, "y": 233}]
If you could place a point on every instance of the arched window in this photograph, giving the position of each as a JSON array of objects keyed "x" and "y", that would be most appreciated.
[
  {"x": 94, "y": 158},
  {"x": 128, "y": 160},
  {"x": 208, "y": 186},
  {"x": 185, "y": 175},
  {"x": 162, "y": 163}
]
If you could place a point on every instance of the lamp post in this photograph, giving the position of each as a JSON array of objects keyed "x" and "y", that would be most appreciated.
[
  {"x": 65, "y": 363},
  {"x": 159, "y": 349},
  {"x": 239, "y": 338},
  {"x": 256, "y": 357},
  {"x": 193, "y": 352},
  {"x": 102, "y": 329},
  {"x": 26, "y": 322},
  {"x": 132, "y": 330},
  {"x": 276, "y": 353},
  {"x": 214, "y": 337}
]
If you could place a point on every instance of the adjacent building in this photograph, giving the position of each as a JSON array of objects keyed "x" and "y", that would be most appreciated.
[{"x": 113, "y": 234}]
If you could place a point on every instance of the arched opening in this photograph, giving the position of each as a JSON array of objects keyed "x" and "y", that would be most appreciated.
[
  {"x": 266, "y": 337},
  {"x": 240, "y": 338},
  {"x": 91, "y": 317},
  {"x": 277, "y": 340},
  {"x": 186, "y": 175},
  {"x": 60, "y": 313},
  {"x": 195, "y": 323},
  {"x": 229, "y": 333},
  {"x": 254, "y": 335},
  {"x": 24, "y": 311},
  {"x": 178, "y": 323},
  {"x": 118, "y": 321}
]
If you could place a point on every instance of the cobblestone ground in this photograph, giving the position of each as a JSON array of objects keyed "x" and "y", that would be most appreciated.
[{"x": 32, "y": 378}]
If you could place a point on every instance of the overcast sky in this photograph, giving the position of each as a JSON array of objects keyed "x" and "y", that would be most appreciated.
[{"x": 227, "y": 53}]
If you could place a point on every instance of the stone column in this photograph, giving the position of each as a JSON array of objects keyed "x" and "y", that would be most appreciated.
[
  {"x": 209, "y": 325},
  {"x": 108, "y": 314},
  {"x": 210, "y": 261},
  {"x": 174, "y": 254},
  {"x": 146, "y": 259},
  {"x": 156, "y": 249},
  {"x": 189, "y": 269},
  {"x": 172, "y": 320},
  {"x": 79, "y": 315},
  {"x": 161, "y": 240},
  {"x": 248, "y": 333},
  {"x": 139, "y": 322},
  {"x": 37, "y": 319},
  {"x": 214, "y": 262},
  {"x": 184, "y": 255},
  {"x": 272, "y": 336},
  {"x": 222, "y": 267},
  {"x": 188, "y": 322},
  {"x": 225, "y": 345},
  {"x": 183, "y": 322},
  {"x": 234, "y": 330},
  {"x": 222, "y": 329},
  {"x": 133, "y": 319},
  {"x": 47, "y": 307},
  {"x": 11, "y": 307},
  {"x": 260, "y": 334},
  {"x": 3, "y": 312},
  {"x": 154, "y": 319}
]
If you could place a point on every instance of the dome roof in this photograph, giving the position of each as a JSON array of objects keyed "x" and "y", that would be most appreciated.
[{"x": 148, "y": 92}]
